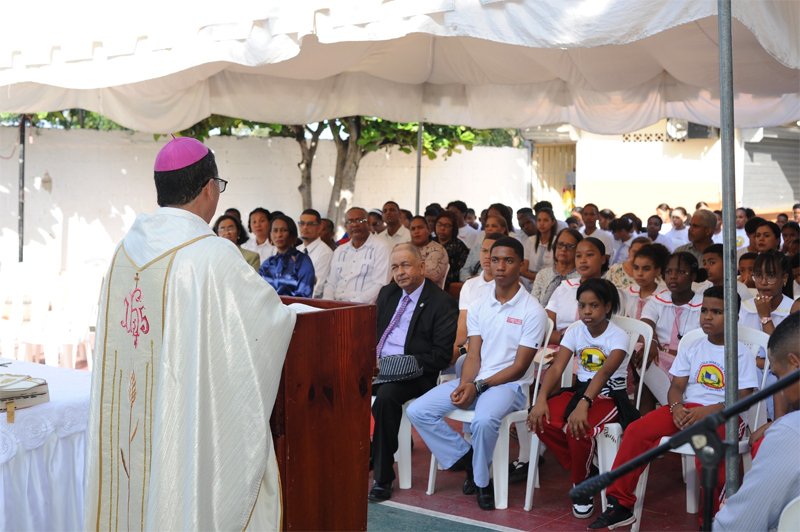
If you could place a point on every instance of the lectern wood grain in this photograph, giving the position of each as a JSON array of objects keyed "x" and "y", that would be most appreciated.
[{"x": 320, "y": 423}]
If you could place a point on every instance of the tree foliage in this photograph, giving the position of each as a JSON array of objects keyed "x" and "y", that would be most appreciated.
[{"x": 354, "y": 137}]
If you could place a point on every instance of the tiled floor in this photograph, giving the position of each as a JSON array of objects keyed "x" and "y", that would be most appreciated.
[{"x": 665, "y": 501}]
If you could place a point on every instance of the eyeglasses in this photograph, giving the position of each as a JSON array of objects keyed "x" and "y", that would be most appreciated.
[
  {"x": 356, "y": 221},
  {"x": 301, "y": 223},
  {"x": 222, "y": 230},
  {"x": 766, "y": 279},
  {"x": 221, "y": 183},
  {"x": 445, "y": 226},
  {"x": 565, "y": 246}
]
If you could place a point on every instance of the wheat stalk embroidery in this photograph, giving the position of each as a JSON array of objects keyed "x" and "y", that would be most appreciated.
[{"x": 131, "y": 436}]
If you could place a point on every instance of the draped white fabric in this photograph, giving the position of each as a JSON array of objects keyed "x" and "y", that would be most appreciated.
[
  {"x": 606, "y": 66},
  {"x": 42, "y": 454}
]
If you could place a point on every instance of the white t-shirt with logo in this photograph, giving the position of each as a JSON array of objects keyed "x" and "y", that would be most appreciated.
[
  {"x": 592, "y": 352},
  {"x": 521, "y": 321},
  {"x": 704, "y": 364}
]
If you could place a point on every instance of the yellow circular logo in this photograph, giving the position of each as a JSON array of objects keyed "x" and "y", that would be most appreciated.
[
  {"x": 739, "y": 241},
  {"x": 592, "y": 359},
  {"x": 712, "y": 376}
]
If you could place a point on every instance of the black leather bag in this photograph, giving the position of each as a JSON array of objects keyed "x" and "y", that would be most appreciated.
[{"x": 397, "y": 368}]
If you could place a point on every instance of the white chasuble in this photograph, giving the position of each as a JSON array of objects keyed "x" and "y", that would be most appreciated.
[{"x": 190, "y": 347}]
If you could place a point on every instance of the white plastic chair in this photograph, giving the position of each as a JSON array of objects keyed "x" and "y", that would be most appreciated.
[
  {"x": 444, "y": 277},
  {"x": 403, "y": 454},
  {"x": 501, "y": 449},
  {"x": 789, "y": 521},
  {"x": 753, "y": 340},
  {"x": 608, "y": 440},
  {"x": 533, "y": 454}
]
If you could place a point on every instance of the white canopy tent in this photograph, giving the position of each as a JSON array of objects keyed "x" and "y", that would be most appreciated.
[{"x": 607, "y": 66}]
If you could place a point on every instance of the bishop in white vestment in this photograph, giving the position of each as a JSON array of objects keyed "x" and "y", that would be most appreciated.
[{"x": 191, "y": 343}]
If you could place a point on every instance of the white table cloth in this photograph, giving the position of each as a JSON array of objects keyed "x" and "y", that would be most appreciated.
[{"x": 42, "y": 453}]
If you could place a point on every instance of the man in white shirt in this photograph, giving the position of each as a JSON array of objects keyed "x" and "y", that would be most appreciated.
[
  {"x": 655, "y": 234},
  {"x": 466, "y": 234},
  {"x": 317, "y": 250},
  {"x": 590, "y": 215},
  {"x": 679, "y": 233},
  {"x": 360, "y": 267},
  {"x": 504, "y": 329},
  {"x": 396, "y": 232}
]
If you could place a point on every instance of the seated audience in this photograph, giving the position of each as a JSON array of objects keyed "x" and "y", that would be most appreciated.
[
  {"x": 289, "y": 271},
  {"x": 505, "y": 328},
  {"x": 433, "y": 254},
  {"x": 567, "y": 420},
  {"x": 539, "y": 248},
  {"x": 258, "y": 225},
  {"x": 396, "y": 232},
  {"x": 696, "y": 391},
  {"x": 320, "y": 254},
  {"x": 621, "y": 273},
  {"x": 649, "y": 263},
  {"x": 230, "y": 227},
  {"x": 415, "y": 318},
  {"x": 360, "y": 267},
  {"x": 563, "y": 268},
  {"x": 590, "y": 262},
  {"x": 457, "y": 251}
]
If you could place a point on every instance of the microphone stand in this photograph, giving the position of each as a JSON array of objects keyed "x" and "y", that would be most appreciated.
[{"x": 703, "y": 438}]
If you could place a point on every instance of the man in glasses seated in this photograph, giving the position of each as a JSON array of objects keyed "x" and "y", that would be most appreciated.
[
  {"x": 310, "y": 228},
  {"x": 360, "y": 267}
]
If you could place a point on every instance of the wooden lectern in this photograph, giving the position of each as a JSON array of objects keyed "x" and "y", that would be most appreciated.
[{"x": 320, "y": 423}]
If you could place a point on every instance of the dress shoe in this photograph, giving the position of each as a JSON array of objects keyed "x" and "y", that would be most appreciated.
[
  {"x": 380, "y": 492},
  {"x": 469, "y": 483},
  {"x": 486, "y": 497},
  {"x": 463, "y": 463}
]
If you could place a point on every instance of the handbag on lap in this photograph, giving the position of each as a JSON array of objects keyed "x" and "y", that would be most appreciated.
[{"x": 21, "y": 391}]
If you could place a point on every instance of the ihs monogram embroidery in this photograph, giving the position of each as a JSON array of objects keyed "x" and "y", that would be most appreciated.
[{"x": 135, "y": 322}]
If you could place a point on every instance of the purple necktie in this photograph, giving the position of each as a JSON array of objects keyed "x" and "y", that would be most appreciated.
[{"x": 393, "y": 324}]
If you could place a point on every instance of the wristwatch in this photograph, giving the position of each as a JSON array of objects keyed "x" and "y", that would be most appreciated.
[
  {"x": 766, "y": 319},
  {"x": 481, "y": 386},
  {"x": 462, "y": 350}
]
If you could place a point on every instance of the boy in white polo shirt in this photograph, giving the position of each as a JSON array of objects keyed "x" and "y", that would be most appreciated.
[
  {"x": 697, "y": 390},
  {"x": 504, "y": 329}
]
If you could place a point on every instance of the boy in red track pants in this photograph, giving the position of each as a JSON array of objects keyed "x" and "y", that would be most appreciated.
[{"x": 697, "y": 390}]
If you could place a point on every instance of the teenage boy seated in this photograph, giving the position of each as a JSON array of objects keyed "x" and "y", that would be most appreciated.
[
  {"x": 697, "y": 390},
  {"x": 504, "y": 328}
]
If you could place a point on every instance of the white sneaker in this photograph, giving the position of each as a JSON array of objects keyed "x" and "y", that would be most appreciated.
[{"x": 583, "y": 508}]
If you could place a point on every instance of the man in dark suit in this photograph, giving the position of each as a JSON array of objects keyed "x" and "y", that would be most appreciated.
[{"x": 415, "y": 317}]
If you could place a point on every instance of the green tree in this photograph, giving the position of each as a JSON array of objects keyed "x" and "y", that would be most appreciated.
[{"x": 353, "y": 136}]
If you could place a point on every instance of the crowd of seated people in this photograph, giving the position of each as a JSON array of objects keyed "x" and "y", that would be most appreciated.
[{"x": 450, "y": 285}]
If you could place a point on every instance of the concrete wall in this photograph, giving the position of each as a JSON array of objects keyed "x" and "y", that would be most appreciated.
[
  {"x": 637, "y": 176},
  {"x": 99, "y": 181}
]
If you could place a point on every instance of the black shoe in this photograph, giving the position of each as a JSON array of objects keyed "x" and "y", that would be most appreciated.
[
  {"x": 615, "y": 516},
  {"x": 469, "y": 483},
  {"x": 486, "y": 497},
  {"x": 463, "y": 463},
  {"x": 517, "y": 471},
  {"x": 583, "y": 508},
  {"x": 381, "y": 491}
]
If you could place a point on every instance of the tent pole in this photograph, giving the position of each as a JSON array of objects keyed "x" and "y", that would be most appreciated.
[
  {"x": 420, "y": 128},
  {"x": 729, "y": 237},
  {"x": 21, "y": 207}
]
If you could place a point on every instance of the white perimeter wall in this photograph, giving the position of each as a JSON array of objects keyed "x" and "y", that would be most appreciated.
[
  {"x": 637, "y": 176},
  {"x": 101, "y": 180}
]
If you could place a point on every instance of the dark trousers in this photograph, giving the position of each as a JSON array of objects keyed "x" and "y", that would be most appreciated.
[{"x": 387, "y": 410}]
